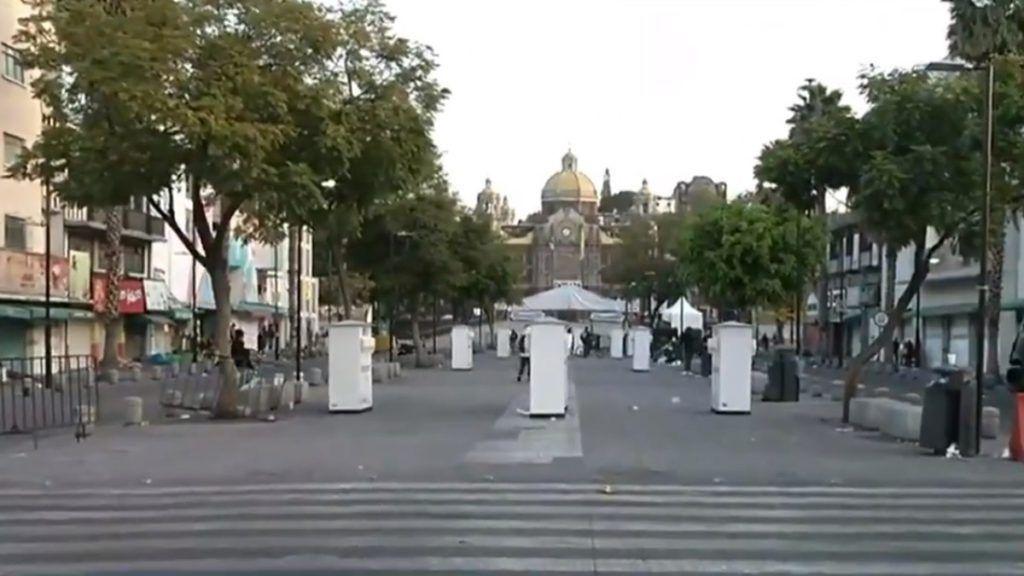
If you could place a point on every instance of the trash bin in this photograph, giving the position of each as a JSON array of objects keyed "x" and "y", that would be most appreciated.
[
  {"x": 783, "y": 377},
  {"x": 945, "y": 399},
  {"x": 705, "y": 363}
]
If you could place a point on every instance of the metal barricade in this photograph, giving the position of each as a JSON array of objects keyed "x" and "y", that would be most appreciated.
[{"x": 33, "y": 398}]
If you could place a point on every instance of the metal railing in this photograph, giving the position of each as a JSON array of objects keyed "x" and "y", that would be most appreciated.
[{"x": 32, "y": 400}]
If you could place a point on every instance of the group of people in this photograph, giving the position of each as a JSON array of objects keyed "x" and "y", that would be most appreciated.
[
  {"x": 905, "y": 354},
  {"x": 581, "y": 345}
]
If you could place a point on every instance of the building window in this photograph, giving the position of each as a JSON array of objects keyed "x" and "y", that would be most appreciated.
[
  {"x": 13, "y": 68},
  {"x": 135, "y": 260},
  {"x": 14, "y": 232},
  {"x": 13, "y": 148}
]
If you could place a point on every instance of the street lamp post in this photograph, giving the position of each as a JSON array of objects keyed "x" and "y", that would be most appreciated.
[{"x": 986, "y": 224}]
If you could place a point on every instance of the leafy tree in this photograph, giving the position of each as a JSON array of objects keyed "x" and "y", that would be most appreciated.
[
  {"x": 618, "y": 203},
  {"x": 243, "y": 95},
  {"x": 490, "y": 273},
  {"x": 742, "y": 256},
  {"x": 922, "y": 173},
  {"x": 406, "y": 248},
  {"x": 986, "y": 34},
  {"x": 392, "y": 98},
  {"x": 646, "y": 266},
  {"x": 820, "y": 155}
]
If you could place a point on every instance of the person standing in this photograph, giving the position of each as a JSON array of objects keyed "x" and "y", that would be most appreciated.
[
  {"x": 513, "y": 339},
  {"x": 895, "y": 354},
  {"x": 524, "y": 355},
  {"x": 586, "y": 338}
]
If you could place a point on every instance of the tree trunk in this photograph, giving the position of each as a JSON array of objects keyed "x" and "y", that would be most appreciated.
[
  {"x": 227, "y": 400},
  {"x": 824, "y": 335},
  {"x": 994, "y": 303},
  {"x": 489, "y": 311},
  {"x": 340, "y": 261},
  {"x": 414, "y": 317},
  {"x": 884, "y": 339},
  {"x": 890, "y": 291},
  {"x": 113, "y": 255}
]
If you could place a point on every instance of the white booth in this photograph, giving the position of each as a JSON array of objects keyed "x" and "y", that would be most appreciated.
[
  {"x": 349, "y": 363},
  {"x": 615, "y": 337},
  {"x": 732, "y": 350},
  {"x": 641, "y": 337},
  {"x": 549, "y": 369},
  {"x": 504, "y": 346},
  {"x": 462, "y": 347}
]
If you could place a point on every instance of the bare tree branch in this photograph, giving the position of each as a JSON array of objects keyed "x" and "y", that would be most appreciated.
[{"x": 173, "y": 223}]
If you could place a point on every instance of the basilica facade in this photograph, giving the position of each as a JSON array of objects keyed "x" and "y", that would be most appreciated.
[
  {"x": 565, "y": 243},
  {"x": 570, "y": 241}
]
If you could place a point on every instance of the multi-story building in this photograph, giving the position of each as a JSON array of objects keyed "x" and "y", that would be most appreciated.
[
  {"x": 24, "y": 222},
  {"x": 855, "y": 269}
]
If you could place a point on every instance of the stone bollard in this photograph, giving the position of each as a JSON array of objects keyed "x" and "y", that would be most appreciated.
[
  {"x": 902, "y": 420},
  {"x": 989, "y": 422},
  {"x": 882, "y": 392},
  {"x": 301, "y": 391},
  {"x": 398, "y": 370},
  {"x": 84, "y": 416},
  {"x": 207, "y": 365},
  {"x": 836, "y": 393},
  {"x": 816, "y": 391},
  {"x": 158, "y": 372},
  {"x": 136, "y": 373},
  {"x": 912, "y": 398},
  {"x": 193, "y": 369},
  {"x": 861, "y": 389},
  {"x": 316, "y": 377},
  {"x": 175, "y": 369},
  {"x": 112, "y": 376},
  {"x": 393, "y": 368},
  {"x": 379, "y": 372},
  {"x": 132, "y": 411}
]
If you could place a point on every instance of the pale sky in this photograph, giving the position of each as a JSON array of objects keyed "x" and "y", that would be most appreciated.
[{"x": 656, "y": 89}]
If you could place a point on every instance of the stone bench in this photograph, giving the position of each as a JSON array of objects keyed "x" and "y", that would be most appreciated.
[
  {"x": 901, "y": 420},
  {"x": 868, "y": 413}
]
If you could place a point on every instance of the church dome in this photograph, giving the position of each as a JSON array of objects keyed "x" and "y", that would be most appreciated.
[
  {"x": 569, "y": 185},
  {"x": 488, "y": 193}
]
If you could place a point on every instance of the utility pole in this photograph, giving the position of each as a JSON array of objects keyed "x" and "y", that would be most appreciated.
[
  {"x": 298, "y": 303},
  {"x": 47, "y": 328}
]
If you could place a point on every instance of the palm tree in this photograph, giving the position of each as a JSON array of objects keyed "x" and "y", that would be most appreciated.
[
  {"x": 985, "y": 33},
  {"x": 113, "y": 258}
]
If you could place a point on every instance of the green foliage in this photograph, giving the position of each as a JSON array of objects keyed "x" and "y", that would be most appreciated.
[
  {"x": 407, "y": 247},
  {"x": 490, "y": 271},
  {"x": 821, "y": 152},
  {"x": 978, "y": 31},
  {"x": 619, "y": 203},
  {"x": 923, "y": 160},
  {"x": 645, "y": 264},
  {"x": 744, "y": 255}
]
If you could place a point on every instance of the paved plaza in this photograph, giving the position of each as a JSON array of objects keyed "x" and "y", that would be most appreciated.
[{"x": 445, "y": 476}]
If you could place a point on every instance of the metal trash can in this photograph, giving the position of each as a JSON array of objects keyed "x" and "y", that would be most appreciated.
[
  {"x": 783, "y": 377},
  {"x": 705, "y": 363},
  {"x": 947, "y": 413}
]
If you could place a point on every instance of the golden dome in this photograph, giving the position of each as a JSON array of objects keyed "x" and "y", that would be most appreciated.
[{"x": 570, "y": 184}]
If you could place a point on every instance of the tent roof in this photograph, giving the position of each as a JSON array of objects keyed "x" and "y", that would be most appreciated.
[{"x": 570, "y": 298}]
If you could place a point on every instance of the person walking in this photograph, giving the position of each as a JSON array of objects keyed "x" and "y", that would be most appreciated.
[
  {"x": 895, "y": 354},
  {"x": 513, "y": 339},
  {"x": 524, "y": 355},
  {"x": 586, "y": 338}
]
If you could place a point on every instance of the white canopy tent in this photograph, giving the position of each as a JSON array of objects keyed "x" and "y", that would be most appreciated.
[
  {"x": 570, "y": 298},
  {"x": 682, "y": 315}
]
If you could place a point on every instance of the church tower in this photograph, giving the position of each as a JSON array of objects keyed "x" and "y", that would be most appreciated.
[{"x": 606, "y": 187}]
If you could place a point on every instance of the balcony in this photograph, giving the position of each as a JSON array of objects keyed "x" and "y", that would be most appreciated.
[{"x": 136, "y": 223}]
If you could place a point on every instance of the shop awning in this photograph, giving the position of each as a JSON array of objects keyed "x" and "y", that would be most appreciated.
[
  {"x": 15, "y": 312},
  {"x": 159, "y": 319},
  {"x": 60, "y": 314},
  {"x": 255, "y": 308}
]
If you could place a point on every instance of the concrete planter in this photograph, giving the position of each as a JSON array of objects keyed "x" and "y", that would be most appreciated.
[
  {"x": 912, "y": 398},
  {"x": 136, "y": 373},
  {"x": 989, "y": 422},
  {"x": 316, "y": 377},
  {"x": 901, "y": 420},
  {"x": 882, "y": 392},
  {"x": 112, "y": 376},
  {"x": 132, "y": 411}
]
